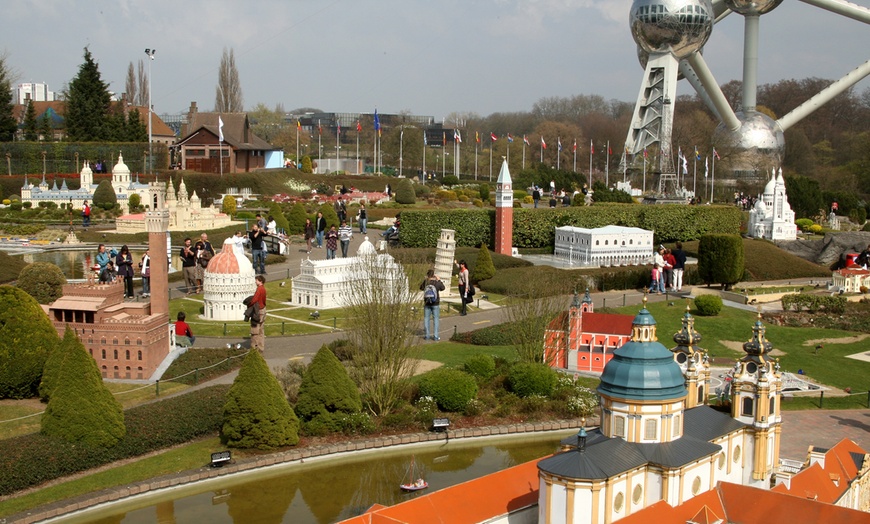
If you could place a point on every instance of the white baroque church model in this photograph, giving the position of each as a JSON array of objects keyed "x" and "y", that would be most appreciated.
[
  {"x": 772, "y": 217},
  {"x": 227, "y": 281}
]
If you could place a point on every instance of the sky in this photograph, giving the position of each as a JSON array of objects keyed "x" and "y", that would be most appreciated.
[{"x": 421, "y": 56}]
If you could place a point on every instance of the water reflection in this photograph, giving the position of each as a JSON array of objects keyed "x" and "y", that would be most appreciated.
[
  {"x": 73, "y": 263},
  {"x": 327, "y": 491}
]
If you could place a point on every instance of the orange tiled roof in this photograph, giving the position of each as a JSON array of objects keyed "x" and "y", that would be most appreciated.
[{"x": 467, "y": 503}]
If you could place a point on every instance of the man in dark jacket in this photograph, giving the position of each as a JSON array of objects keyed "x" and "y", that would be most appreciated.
[{"x": 320, "y": 226}]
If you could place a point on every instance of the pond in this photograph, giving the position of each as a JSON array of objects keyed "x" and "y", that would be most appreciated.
[{"x": 328, "y": 490}]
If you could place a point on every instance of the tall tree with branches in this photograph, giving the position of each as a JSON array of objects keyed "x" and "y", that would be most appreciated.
[
  {"x": 382, "y": 310},
  {"x": 87, "y": 104},
  {"x": 527, "y": 320},
  {"x": 130, "y": 86},
  {"x": 143, "y": 89},
  {"x": 8, "y": 124},
  {"x": 30, "y": 131},
  {"x": 228, "y": 93}
]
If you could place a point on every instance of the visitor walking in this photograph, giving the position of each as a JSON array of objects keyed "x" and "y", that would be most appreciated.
[
  {"x": 258, "y": 249},
  {"x": 124, "y": 263},
  {"x": 463, "y": 285},
  {"x": 362, "y": 218},
  {"x": 345, "y": 233},
  {"x": 86, "y": 215},
  {"x": 668, "y": 270},
  {"x": 145, "y": 270},
  {"x": 679, "y": 266},
  {"x": 309, "y": 233},
  {"x": 431, "y": 288},
  {"x": 188, "y": 266},
  {"x": 331, "y": 243},
  {"x": 258, "y": 328},
  {"x": 320, "y": 227},
  {"x": 104, "y": 256}
]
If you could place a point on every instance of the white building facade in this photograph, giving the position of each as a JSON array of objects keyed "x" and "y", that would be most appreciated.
[
  {"x": 772, "y": 217},
  {"x": 604, "y": 246}
]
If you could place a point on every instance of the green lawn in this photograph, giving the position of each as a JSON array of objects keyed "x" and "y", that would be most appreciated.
[
  {"x": 830, "y": 367},
  {"x": 454, "y": 355},
  {"x": 182, "y": 458}
]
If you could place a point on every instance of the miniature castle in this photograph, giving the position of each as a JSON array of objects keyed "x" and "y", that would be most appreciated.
[
  {"x": 772, "y": 217},
  {"x": 604, "y": 246},
  {"x": 185, "y": 214}
]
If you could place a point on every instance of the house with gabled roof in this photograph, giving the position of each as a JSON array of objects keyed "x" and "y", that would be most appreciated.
[{"x": 223, "y": 142}]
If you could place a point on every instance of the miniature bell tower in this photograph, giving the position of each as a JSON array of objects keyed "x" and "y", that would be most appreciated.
[
  {"x": 693, "y": 361},
  {"x": 157, "y": 224},
  {"x": 504, "y": 211}
]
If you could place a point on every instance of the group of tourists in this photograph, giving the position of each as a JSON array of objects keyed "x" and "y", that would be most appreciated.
[
  {"x": 194, "y": 261},
  {"x": 315, "y": 233},
  {"x": 432, "y": 286},
  {"x": 667, "y": 270},
  {"x": 118, "y": 265}
]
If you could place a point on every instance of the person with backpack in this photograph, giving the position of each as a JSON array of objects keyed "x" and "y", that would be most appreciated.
[
  {"x": 431, "y": 288},
  {"x": 86, "y": 215}
]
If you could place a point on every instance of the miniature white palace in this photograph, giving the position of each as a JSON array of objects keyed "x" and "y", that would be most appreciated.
[
  {"x": 772, "y": 217},
  {"x": 604, "y": 246}
]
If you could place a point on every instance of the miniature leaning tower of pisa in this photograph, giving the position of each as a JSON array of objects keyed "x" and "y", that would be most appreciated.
[{"x": 444, "y": 257}]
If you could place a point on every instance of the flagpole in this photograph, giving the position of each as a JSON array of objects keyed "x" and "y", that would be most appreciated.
[
  {"x": 542, "y": 150},
  {"x": 713, "y": 176},
  {"x": 475, "y": 156},
  {"x": 357, "y": 149},
  {"x": 695, "y": 176},
  {"x": 607, "y": 166},
  {"x": 220, "y": 146},
  {"x": 491, "y": 145},
  {"x": 337, "y": 142},
  {"x": 705, "y": 180},
  {"x": 524, "y": 151},
  {"x": 509, "y": 151},
  {"x": 591, "y": 154},
  {"x": 424, "y": 156},
  {"x": 558, "y": 151},
  {"x": 297, "y": 144},
  {"x": 644, "y": 171},
  {"x": 574, "y": 167}
]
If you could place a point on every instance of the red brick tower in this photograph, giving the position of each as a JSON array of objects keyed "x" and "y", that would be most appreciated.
[
  {"x": 504, "y": 211},
  {"x": 156, "y": 223}
]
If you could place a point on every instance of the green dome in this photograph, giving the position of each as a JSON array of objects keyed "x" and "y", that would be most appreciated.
[{"x": 643, "y": 368}]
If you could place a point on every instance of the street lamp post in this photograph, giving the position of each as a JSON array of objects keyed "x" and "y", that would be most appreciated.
[{"x": 150, "y": 53}]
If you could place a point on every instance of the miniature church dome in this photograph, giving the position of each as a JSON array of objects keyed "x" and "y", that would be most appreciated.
[
  {"x": 643, "y": 368},
  {"x": 366, "y": 248},
  {"x": 227, "y": 281}
]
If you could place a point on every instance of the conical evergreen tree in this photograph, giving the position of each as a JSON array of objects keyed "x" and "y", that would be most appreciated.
[
  {"x": 278, "y": 215},
  {"x": 256, "y": 412},
  {"x": 8, "y": 124},
  {"x": 483, "y": 268},
  {"x": 137, "y": 131},
  {"x": 326, "y": 388},
  {"x": 81, "y": 409},
  {"x": 87, "y": 105},
  {"x": 45, "y": 131},
  {"x": 54, "y": 363},
  {"x": 30, "y": 123},
  {"x": 296, "y": 219},
  {"x": 26, "y": 335}
]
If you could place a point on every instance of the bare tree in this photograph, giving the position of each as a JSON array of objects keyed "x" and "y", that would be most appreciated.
[
  {"x": 527, "y": 319},
  {"x": 382, "y": 309},
  {"x": 143, "y": 86},
  {"x": 130, "y": 86},
  {"x": 228, "y": 93}
]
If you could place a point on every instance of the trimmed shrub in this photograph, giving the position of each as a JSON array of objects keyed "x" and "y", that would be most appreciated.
[
  {"x": 405, "y": 192},
  {"x": 26, "y": 335},
  {"x": 721, "y": 259},
  {"x": 483, "y": 268},
  {"x": 81, "y": 409},
  {"x": 228, "y": 205},
  {"x": 450, "y": 180},
  {"x": 483, "y": 190},
  {"x": 256, "y": 412},
  {"x": 481, "y": 366},
  {"x": 33, "y": 459},
  {"x": 452, "y": 389},
  {"x": 326, "y": 388},
  {"x": 307, "y": 165},
  {"x": 15, "y": 206},
  {"x": 54, "y": 363},
  {"x": 43, "y": 281},
  {"x": 803, "y": 223},
  {"x": 708, "y": 305},
  {"x": 104, "y": 195},
  {"x": 278, "y": 215},
  {"x": 134, "y": 201},
  {"x": 527, "y": 379},
  {"x": 296, "y": 219},
  {"x": 446, "y": 195}
]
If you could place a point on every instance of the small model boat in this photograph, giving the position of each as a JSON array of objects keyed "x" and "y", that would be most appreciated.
[{"x": 412, "y": 484}]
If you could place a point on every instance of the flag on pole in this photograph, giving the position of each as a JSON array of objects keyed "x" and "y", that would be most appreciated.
[
  {"x": 526, "y": 140},
  {"x": 457, "y": 137},
  {"x": 477, "y": 137},
  {"x": 220, "y": 128},
  {"x": 697, "y": 154},
  {"x": 609, "y": 150},
  {"x": 685, "y": 163},
  {"x": 645, "y": 154},
  {"x": 510, "y": 138},
  {"x": 319, "y": 128},
  {"x": 543, "y": 144},
  {"x": 591, "y": 148},
  {"x": 574, "y": 148},
  {"x": 444, "y": 138},
  {"x": 425, "y": 140},
  {"x": 377, "y": 123},
  {"x": 559, "y": 143},
  {"x": 706, "y": 169},
  {"x": 715, "y": 154},
  {"x": 298, "y": 124},
  {"x": 338, "y": 130},
  {"x": 493, "y": 136},
  {"x": 358, "y": 126}
]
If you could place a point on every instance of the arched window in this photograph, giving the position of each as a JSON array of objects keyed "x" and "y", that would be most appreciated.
[
  {"x": 139, "y": 355},
  {"x": 104, "y": 355},
  {"x": 115, "y": 352},
  {"x": 127, "y": 355},
  {"x": 746, "y": 407}
]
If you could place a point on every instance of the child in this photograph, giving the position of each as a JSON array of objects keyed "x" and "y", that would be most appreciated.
[{"x": 183, "y": 335}]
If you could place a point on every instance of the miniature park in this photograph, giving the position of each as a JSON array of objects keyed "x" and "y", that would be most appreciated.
[{"x": 209, "y": 324}]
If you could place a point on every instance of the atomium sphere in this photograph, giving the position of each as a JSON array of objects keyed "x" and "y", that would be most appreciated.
[
  {"x": 752, "y": 7},
  {"x": 679, "y": 27},
  {"x": 758, "y": 143}
]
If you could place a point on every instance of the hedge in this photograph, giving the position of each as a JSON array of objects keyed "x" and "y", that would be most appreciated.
[
  {"x": 527, "y": 379},
  {"x": 534, "y": 228},
  {"x": 721, "y": 259},
  {"x": 452, "y": 389},
  {"x": 708, "y": 305},
  {"x": 813, "y": 303},
  {"x": 30, "y": 460}
]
